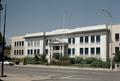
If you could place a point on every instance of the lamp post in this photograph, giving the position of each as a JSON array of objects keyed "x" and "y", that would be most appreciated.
[{"x": 111, "y": 41}]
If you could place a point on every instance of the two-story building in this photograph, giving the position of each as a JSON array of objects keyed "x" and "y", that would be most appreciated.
[{"x": 98, "y": 41}]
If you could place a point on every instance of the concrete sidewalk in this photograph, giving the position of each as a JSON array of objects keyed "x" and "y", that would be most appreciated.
[
  {"x": 18, "y": 77},
  {"x": 64, "y": 67}
]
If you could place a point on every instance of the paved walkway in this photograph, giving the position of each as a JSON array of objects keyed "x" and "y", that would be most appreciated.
[
  {"x": 64, "y": 67},
  {"x": 18, "y": 77}
]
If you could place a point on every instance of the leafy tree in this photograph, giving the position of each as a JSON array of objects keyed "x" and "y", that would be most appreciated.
[{"x": 117, "y": 57}]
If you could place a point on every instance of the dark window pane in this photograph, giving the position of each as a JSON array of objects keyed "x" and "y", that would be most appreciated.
[
  {"x": 86, "y": 39},
  {"x": 92, "y": 50},
  {"x": 69, "y": 51},
  {"x": 92, "y": 39},
  {"x": 28, "y": 51},
  {"x": 98, "y": 50},
  {"x": 46, "y": 51},
  {"x": 117, "y": 37},
  {"x": 31, "y": 51},
  {"x": 69, "y": 40},
  {"x": 81, "y": 51},
  {"x": 73, "y": 51},
  {"x": 116, "y": 49},
  {"x": 73, "y": 40},
  {"x": 98, "y": 38},
  {"x": 86, "y": 51},
  {"x": 81, "y": 39}
]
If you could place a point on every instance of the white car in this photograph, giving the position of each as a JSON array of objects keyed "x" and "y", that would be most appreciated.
[{"x": 7, "y": 63}]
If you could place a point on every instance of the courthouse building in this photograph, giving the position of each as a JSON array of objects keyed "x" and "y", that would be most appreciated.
[{"x": 99, "y": 41}]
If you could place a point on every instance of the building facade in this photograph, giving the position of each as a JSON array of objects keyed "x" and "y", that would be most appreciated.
[{"x": 92, "y": 41}]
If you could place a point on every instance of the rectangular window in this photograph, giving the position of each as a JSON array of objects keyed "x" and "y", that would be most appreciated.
[
  {"x": 22, "y": 52},
  {"x": 69, "y": 51},
  {"x": 69, "y": 40},
  {"x": 35, "y": 51},
  {"x": 73, "y": 51},
  {"x": 46, "y": 42},
  {"x": 28, "y": 51},
  {"x": 46, "y": 51},
  {"x": 81, "y": 51},
  {"x": 73, "y": 40},
  {"x": 38, "y": 51},
  {"x": 22, "y": 43},
  {"x": 92, "y": 39},
  {"x": 98, "y": 50},
  {"x": 14, "y": 52},
  {"x": 86, "y": 39},
  {"x": 116, "y": 49},
  {"x": 31, "y": 51},
  {"x": 81, "y": 39},
  {"x": 92, "y": 51},
  {"x": 117, "y": 37},
  {"x": 86, "y": 51},
  {"x": 15, "y": 44},
  {"x": 98, "y": 38},
  {"x": 19, "y": 52}
]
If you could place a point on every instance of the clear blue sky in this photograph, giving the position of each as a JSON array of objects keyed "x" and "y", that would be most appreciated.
[{"x": 27, "y": 16}]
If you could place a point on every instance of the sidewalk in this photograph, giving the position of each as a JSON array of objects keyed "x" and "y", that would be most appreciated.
[
  {"x": 18, "y": 77},
  {"x": 64, "y": 67}
]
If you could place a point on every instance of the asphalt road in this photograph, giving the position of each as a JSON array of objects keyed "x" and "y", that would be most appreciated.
[{"x": 64, "y": 74}]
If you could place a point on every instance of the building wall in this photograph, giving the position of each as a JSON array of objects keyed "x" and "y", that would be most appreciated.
[
  {"x": 115, "y": 43},
  {"x": 35, "y": 42},
  {"x": 17, "y": 46}
]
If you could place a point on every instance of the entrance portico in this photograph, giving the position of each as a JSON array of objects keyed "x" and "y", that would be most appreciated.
[{"x": 57, "y": 46}]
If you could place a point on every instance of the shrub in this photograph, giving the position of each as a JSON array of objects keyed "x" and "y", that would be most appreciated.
[
  {"x": 117, "y": 57},
  {"x": 90, "y": 60},
  {"x": 64, "y": 62},
  {"x": 100, "y": 63}
]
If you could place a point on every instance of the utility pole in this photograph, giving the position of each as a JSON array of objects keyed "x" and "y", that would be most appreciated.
[{"x": 3, "y": 43}]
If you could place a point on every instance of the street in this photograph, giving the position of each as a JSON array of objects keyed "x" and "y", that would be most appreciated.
[{"x": 63, "y": 74}]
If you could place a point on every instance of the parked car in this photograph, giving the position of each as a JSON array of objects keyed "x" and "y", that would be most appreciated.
[{"x": 7, "y": 63}]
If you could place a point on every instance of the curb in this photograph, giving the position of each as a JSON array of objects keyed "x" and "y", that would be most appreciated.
[{"x": 64, "y": 67}]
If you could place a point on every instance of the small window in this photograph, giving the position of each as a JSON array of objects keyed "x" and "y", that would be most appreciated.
[
  {"x": 92, "y": 39},
  {"x": 86, "y": 39},
  {"x": 116, "y": 49},
  {"x": 69, "y": 51},
  {"x": 98, "y": 38},
  {"x": 28, "y": 51},
  {"x": 92, "y": 51},
  {"x": 46, "y": 51},
  {"x": 22, "y": 43},
  {"x": 81, "y": 51},
  {"x": 86, "y": 51},
  {"x": 98, "y": 50},
  {"x": 73, "y": 51},
  {"x": 22, "y": 52},
  {"x": 15, "y": 44},
  {"x": 14, "y": 52},
  {"x": 19, "y": 52},
  {"x": 117, "y": 37},
  {"x": 73, "y": 40},
  {"x": 31, "y": 51},
  {"x": 69, "y": 40},
  {"x": 46, "y": 42},
  {"x": 81, "y": 39},
  {"x": 35, "y": 51},
  {"x": 38, "y": 51}
]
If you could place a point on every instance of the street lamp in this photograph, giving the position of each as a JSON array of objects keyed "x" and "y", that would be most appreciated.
[{"x": 111, "y": 41}]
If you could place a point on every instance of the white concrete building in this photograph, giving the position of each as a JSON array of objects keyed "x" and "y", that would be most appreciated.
[{"x": 92, "y": 41}]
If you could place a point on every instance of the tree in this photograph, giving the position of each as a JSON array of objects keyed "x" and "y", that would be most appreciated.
[{"x": 117, "y": 57}]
